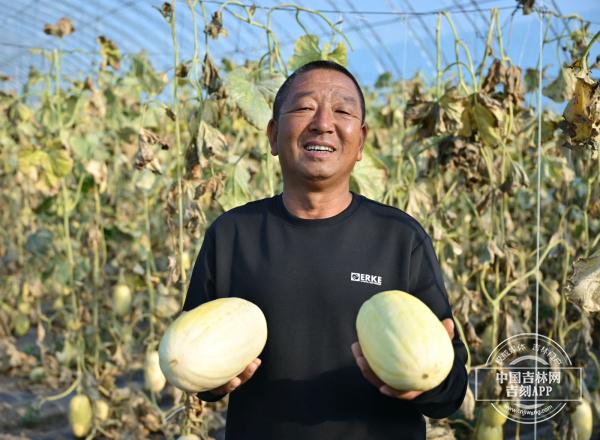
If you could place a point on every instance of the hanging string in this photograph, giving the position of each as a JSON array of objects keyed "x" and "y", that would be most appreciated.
[
  {"x": 403, "y": 72},
  {"x": 538, "y": 213}
]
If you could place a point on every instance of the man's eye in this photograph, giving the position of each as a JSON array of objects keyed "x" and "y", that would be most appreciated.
[{"x": 344, "y": 112}]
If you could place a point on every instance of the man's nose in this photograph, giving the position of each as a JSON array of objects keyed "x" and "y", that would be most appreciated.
[{"x": 322, "y": 120}]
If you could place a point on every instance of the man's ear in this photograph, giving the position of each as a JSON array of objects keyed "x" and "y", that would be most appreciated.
[
  {"x": 364, "y": 130},
  {"x": 272, "y": 135}
]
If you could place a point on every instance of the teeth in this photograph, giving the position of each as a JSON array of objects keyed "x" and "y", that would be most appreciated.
[{"x": 319, "y": 148}]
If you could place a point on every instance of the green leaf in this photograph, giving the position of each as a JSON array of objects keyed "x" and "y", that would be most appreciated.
[
  {"x": 82, "y": 149},
  {"x": 370, "y": 175},
  {"x": 236, "y": 192},
  {"x": 54, "y": 162},
  {"x": 307, "y": 49},
  {"x": 269, "y": 84},
  {"x": 486, "y": 125},
  {"x": 151, "y": 81},
  {"x": 145, "y": 181},
  {"x": 246, "y": 95},
  {"x": 60, "y": 162},
  {"x": 562, "y": 88},
  {"x": 384, "y": 80},
  {"x": 339, "y": 54},
  {"x": 31, "y": 158},
  {"x": 61, "y": 273},
  {"x": 40, "y": 242},
  {"x": 210, "y": 141}
]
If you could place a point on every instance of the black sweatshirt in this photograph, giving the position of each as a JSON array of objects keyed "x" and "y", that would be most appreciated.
[{"x": 310, "y": 277}]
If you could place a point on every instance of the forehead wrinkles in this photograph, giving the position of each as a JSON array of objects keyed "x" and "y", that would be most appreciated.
[
  {"x": 324, "y": 85},
  {"x": 327, "y": 94}
]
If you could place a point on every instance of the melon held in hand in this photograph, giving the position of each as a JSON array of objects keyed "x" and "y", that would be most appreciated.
[
  {"x": 208, "y": 346},
  {"x": 404, "y": 343}
]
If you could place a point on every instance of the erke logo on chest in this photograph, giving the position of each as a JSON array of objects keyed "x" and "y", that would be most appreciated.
[{"x": 365, "y": 278}]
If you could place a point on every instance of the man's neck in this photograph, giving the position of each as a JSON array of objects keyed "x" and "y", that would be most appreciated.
[{"x": 316, "y": 205}]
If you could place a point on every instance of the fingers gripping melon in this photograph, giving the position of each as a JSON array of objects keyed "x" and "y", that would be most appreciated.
[
  {"x": 211, "y": 344},
  {"x": 404, "y": 343}
]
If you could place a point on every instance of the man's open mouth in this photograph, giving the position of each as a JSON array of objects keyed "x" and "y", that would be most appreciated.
[{"x": 317, "y": 147}]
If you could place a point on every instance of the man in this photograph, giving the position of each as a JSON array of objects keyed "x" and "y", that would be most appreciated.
[{"x": 309, "y": 258}]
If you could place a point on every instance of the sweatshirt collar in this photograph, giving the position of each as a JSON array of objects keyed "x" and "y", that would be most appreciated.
[{"x": 282, "y": 212}]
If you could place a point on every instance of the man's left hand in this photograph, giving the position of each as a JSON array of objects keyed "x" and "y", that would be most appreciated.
[{"x": 370, "y": 375}]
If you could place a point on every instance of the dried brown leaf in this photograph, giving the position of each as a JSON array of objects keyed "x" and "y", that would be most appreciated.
[
  {"x": 514, "y": 87},
  {"x": 99, "y": 172},
  {"x": 182, "y": 71},
  {"x": 496, "y": 75},
  {"x": 527, "y": 5},
  {"x": 563, "y": 86},
  {"x": 584, "y": 284},
  {"x": 215, "y": 27},
  {"x": 61, "y": 28},
  {"x": 211, "y": 79},
  {"x": 166, "y": 11},
  {"x": 145, "y": 156},
  {"x": 439, "y": 429}
]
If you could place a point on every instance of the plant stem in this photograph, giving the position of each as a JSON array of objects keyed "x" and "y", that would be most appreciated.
[
  {"x": 459, "y": 43},
  {"x": 149, "y": 259},
  {"x": 487, "y": 49},
  {"x": 503, "y": 57},
  {"x": 438, "y": 46},
  {"x": 178, "y": 153},
  {"x": 584, "y": 57}
]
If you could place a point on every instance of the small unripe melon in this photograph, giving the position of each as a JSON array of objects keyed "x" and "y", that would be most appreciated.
[
  {"x": 487, "y": 432},
  {"x": 494, "y": 417},
  {"x": 121, "y": 299},
  {"x": 101, "y": 410},
  {"x": 80, "y": 415},
  {"x": 154, "y": 379},
  {"x": 582, "y": 421}
]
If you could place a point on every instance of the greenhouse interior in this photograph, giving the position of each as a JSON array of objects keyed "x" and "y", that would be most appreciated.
[{"x": 312, "y": 220}]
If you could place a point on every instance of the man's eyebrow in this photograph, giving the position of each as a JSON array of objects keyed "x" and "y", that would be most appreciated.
[
  {"x": 299, "y": 95},
  {"x": 350, "y": 99},
  {"x": 347, "y": 98}
]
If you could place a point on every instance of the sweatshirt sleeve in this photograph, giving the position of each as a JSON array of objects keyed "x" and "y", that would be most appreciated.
[
  {"x": 426, "y": 283},
  {"x": 202, "y": 288}
]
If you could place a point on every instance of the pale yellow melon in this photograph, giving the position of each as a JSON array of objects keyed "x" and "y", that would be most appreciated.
[
  {"x": 404, "y": 343},
  {"x": 154, "y": 379},
  {"x": 80, "y": 415},
  {"x": 582, "y": 421},
  {"x": 208, "y": 346},
  {"x": 487, "y": 432}
]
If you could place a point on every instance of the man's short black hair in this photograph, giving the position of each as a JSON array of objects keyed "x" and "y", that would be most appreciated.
[{"x": 320, "y": 64}]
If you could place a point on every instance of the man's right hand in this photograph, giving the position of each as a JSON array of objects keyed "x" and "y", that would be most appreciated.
[{"x": 240, "y": 379}]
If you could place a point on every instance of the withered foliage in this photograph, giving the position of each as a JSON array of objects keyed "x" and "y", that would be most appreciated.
[
  {"x": 94, "y": 194},
  {"x": 61, "y": 28}
]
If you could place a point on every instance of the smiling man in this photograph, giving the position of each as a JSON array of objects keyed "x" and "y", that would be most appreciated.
[{"x": 309, "y": 257}]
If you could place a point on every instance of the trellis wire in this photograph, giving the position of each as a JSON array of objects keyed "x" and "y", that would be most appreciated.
[{"x": 538, "y": 209}]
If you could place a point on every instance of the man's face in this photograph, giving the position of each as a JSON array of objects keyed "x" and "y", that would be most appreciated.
[{"x": 319, "y": 134}]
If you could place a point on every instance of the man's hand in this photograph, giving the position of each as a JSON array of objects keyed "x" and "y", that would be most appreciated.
[
  {"x": 370, "y": 375},
  {"x": 240, "y": 379}
]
